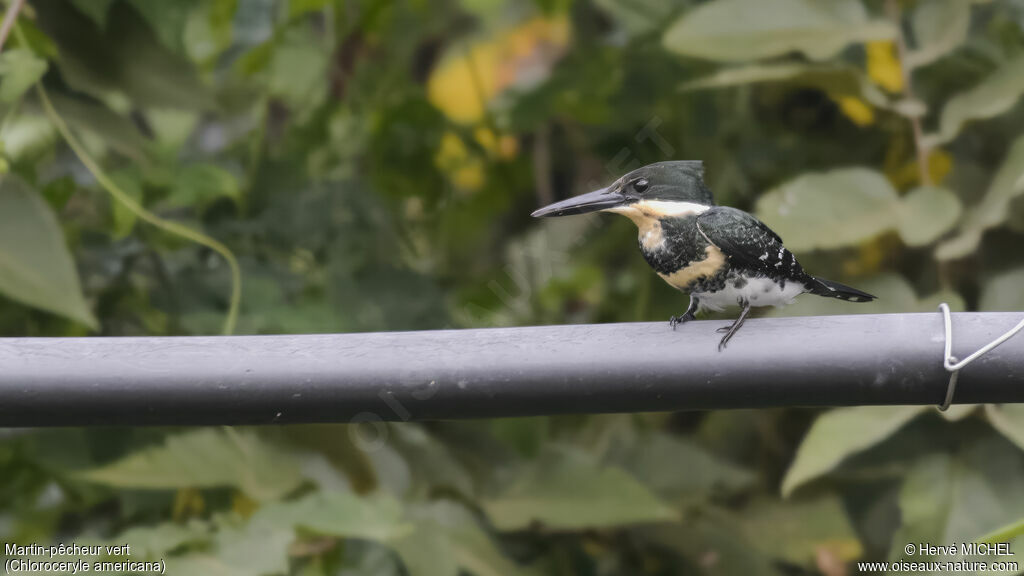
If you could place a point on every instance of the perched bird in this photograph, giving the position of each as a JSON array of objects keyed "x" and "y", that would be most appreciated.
[{"x": 718, "y": 255}]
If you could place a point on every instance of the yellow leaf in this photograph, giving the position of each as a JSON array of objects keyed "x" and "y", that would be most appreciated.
[
  {"x": 940, "y": 164},
  {"x": 884, "y": 67},
  {"x": 462, "y": 86},
  {"x": 463, "y": 168},
  {"x": 505, "y": 147},
  {"x": 470, "y": 77},
  {"x": 857, "y": 110}
]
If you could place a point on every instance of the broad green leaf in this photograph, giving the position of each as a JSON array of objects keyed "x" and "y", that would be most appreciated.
[
  {"x": 1003, "y": 292},
  {"x": 840, "y": 433},
  {"x": 258, "y": 546},
  {"x": 472, "y": 549},
  {"x": 124, "y": 59},
  {"x": 926, "y": 213},
  {"x": 735, "y": 30},
  {"x": 680, "y": 470},
  {"x": 1008, "y": 420},
  {"x": 638, "y": 17},
  {"x": 752, "y": 74},
  {"x": 153, "y": 542},
  {"x": 200, "y": 184},
  {"x": 939, "y": 27},
  {"x": 124, "y": 219},
  {"x": 834, "y": 80},
  {"x": 298, "y": 71},
  {"x": 28, "y": 136},
  {"x": 798, "y": 530},
  {"x": 35, "y": 266},
  {"x": 566, "y": 489},
  {"x": 20, "y": 68},
  {"x": 993, "y": 208},
  {"x": 719, "y": 538},
  {"x": 96, "y": 10},
  {"x": 833, "y": 209},
  {"x": 426, "y": 551},
  {"x": 206, "y": 458},
  {"x": 341, "y": 514},
  {"x": 446, "y": 538},
  {"x": 958, "y": 498},
  {"x": 113, "y": 130},
  {"x": 994, "y": 96}
]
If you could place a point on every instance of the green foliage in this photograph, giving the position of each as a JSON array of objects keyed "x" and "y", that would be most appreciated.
[
  {"x": 206, "y": 458},
  {"x": 35, "y": 267},
  {"x": 731, "y": 30},
  {"x": 565, "y": 490},
  {"x": 372, "y": 165},
  {"x": 840, "y": 433}
]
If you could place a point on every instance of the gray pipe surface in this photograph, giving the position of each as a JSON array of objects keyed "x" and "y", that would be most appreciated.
[{"x": 805, "y": 361}]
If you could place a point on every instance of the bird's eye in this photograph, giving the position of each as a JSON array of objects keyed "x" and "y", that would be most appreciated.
[{"x": 640, "y": 185}]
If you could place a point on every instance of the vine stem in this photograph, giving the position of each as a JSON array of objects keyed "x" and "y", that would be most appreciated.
[
  {"x": 10, "y": 23},
  {"x": 10, "y": 17},
  {"x": 893, "y": 10},
  {"x": 145, "y": 215}
]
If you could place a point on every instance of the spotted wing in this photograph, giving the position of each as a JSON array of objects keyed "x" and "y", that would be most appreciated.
[{"x": 747, "y": 242}]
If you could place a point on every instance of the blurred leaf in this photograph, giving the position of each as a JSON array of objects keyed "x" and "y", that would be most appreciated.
[
  {"x": 1003, "y": 292},
  {"x": 115, "y": 131},
  {"x": 206, "y": 458},
  {"x": 153, "y": 542},
  {"x": 939, "y": 27},
  {"x": 426, "y": 551},
  {"x": 638, "y": 17},
  {"x": 524, "y": 435},
  {"x": 28, "y": 136},
  {"x": 565, "y": 489},
  {"x": 35, "y": 266},
  {"x": 298, "y": 71},
  {"x": 926, "y": 213},
  {"x": 993, "y": 208},
  {"x": 957, "y": 498},
  {"x": 678, "y": 469},
  {"x": 468, "y": 78},
  {"x": 840, "y": 433},
  {"x": 1008, "y": 420},
  {"x": 718, "y": 541},
  {"x": 20, "y": 68},
  {"x": 96, "y": 10},
  {"x": 200, "y": 184},
  {"x": 732, "y": 30},
  {"x": 797, "y": 531},
  {"x": 124, "y": 58},
  {"x": 124, "y": 219},
  {"x": 456, "y": 530},
  {"x": 992, "y": 97},
  {"x": 832, "y": 209},
  {"x": 341, "y": 514},
  {"x": 840, "y": 82}
]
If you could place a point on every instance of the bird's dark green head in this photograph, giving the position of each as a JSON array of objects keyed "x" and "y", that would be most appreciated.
[{"x": 671, "y": 187}]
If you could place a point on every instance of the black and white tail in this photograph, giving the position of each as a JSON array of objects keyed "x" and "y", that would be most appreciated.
[{"x": 831, "y": 289}]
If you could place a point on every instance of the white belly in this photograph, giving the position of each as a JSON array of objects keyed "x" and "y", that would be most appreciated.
[{"x": 756, "y": 291}]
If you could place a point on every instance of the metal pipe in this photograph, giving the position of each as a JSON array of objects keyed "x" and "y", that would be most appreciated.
[{"x": 806, "y": 361}]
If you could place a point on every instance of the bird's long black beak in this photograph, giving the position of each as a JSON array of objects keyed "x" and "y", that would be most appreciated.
[{"x": 589, "y": 202}]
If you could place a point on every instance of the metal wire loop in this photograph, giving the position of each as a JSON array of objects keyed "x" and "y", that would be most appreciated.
[{"x": 952, "y": 364}]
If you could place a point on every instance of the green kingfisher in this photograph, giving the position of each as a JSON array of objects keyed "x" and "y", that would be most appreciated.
[{"x": 720, "y": 256}]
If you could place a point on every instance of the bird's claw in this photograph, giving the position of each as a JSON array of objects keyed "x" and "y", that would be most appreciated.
[
  {"x": 723, "y": 330},
  {"x": 674, "y": 321}
]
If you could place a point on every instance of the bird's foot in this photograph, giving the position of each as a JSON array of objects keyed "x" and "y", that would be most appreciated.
[
  {"x": 674, "y": 321},
  {"x": 724, "y": 329}
]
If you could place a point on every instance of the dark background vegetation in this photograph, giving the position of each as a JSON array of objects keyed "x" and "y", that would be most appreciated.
[{"x": 372, "y": 166}]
